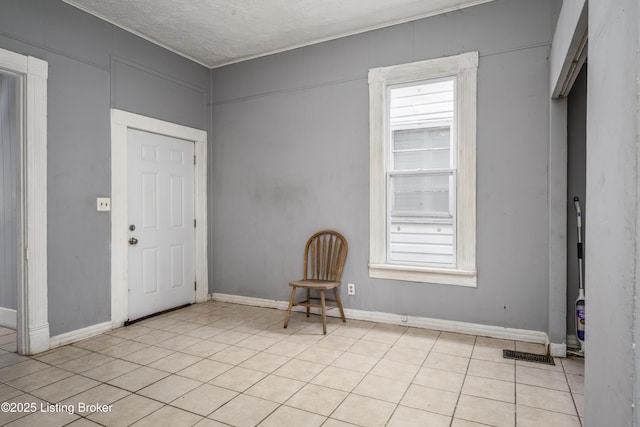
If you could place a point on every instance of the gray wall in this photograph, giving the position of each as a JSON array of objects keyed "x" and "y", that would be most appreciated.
[
  {"x": 93, "y": 66},
  {"x": 612, "y": 282},
  {"x": 576, "y": 186},
  {"x": 290, "y": 155},
  {"x": 9, "y": 146}
]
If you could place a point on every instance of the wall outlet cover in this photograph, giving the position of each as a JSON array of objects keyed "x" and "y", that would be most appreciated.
[{"x": 103, "y": 204}]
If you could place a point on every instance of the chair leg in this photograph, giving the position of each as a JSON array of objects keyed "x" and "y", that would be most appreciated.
[
  {"x": 291, "y": 299},
  {"x": 324, "y": 313},
  {"x": 308, "y": 301},
  {"x": 339, "y": 302}
]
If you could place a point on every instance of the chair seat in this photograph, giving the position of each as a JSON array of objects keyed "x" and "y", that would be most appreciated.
[{"x": 314, "y": 284}]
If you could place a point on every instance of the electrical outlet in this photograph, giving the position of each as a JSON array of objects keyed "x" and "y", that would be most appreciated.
[
  {"x": 351, "y": 289},
  {"x": 104, "y": 204}
]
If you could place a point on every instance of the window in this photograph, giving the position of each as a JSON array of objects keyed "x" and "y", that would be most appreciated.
[{"x": 422, "y": 201}]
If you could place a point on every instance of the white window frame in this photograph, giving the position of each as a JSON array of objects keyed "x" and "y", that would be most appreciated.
[{"x": 464, "y": 68}]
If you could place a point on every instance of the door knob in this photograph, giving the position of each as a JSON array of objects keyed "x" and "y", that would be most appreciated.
[{"x": 133, "y": 241}]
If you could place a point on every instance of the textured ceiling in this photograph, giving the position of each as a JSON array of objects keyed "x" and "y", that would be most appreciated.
[{"x": 220, "y": 32}]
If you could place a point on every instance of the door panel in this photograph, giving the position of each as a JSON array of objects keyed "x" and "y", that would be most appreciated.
[
  {"x": 149, "y": 270},
  {"x": 161, "y": 210},
  {"x": 177, "y": 266},
  {"x": 149, "y": 201},
  {"x": 176, "y": 201}
]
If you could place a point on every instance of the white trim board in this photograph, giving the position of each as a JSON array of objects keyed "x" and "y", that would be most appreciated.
[
  {"x": 32, "y": 326},
  {"x": 8, "y": 318},
  {"x": 120, "y": 122},
  {"x": 537, "y": 337},
  {"x": 80, "y": 334}
]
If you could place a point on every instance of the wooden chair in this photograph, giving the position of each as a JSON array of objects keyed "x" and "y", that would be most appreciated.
[{"x": 324, "y": 258}]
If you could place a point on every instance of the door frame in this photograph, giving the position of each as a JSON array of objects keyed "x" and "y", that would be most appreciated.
[
  {"x": 121, "y": 121},
  {"x": 32, "y": 329}
]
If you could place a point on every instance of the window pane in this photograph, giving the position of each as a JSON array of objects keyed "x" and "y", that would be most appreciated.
[
  {"x": 420, "y": 194},
  {"x": 425, "y": 148},
  {"x": 421, "y": 104},
  {"x": 421, "y": 138},
  {"x": 411, "y": 160}
]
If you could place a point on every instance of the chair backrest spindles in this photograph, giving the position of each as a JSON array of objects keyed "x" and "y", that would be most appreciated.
[
  {"x": 330, "y": 259},
  {"x": 325, "y": 255}
]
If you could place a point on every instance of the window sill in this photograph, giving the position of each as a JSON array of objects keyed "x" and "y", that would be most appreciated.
[{"x": 440, "y": 276}]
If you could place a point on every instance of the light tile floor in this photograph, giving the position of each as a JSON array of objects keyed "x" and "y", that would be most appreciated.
[{"x": 218, "y": 364}]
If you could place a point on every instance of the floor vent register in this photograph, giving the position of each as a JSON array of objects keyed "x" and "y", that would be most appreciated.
[{"x": 528, "y": 357}]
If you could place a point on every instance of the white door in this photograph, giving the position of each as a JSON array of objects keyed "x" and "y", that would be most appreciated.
[{"x": 161, "y": 223}]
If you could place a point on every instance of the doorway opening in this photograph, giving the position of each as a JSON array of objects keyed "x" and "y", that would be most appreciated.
[
  {"x": 25, "y": 89},
  {"x": 9, "y": 158},
  {"x": 124, "y": 125},
  {"x": 576, "y": 187}
]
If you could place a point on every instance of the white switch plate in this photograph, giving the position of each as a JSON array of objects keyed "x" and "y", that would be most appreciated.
[{"x": 104, "y": 204}]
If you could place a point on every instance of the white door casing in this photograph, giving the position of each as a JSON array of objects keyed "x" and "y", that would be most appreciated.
[
  {"x": 121, "y": 123},
  {"x": 161, "y": 213},
  {"x": 33, "y": 333}
]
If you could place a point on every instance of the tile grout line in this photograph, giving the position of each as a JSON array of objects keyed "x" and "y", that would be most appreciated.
[
  {"x": 97, "y": 351},
  {"x": 397, "y": 405},
  {"x": 358, "y": 383},
  {"x": 464, "y": 380},
  {"x": 273, "y": 373},
  {"x": 575, "y": 406},
  {"x": 233, "y": 326},
  {"x": 306, "y": 382},
  {"x": 176, "y": 373}
]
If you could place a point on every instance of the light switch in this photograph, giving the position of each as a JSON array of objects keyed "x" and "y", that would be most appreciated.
[{"x": 104, "y": 204}]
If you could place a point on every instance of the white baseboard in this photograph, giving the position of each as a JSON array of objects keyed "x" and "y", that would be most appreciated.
[
  {"x": 80, "y": 334},
  {"x": 256, "y": 302},
  {"x": 537, "y": 337},
  {"x": 8, "y": 318},
  {"x": 39, "y": 339},
  {"x": 558, "y": 350}
]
